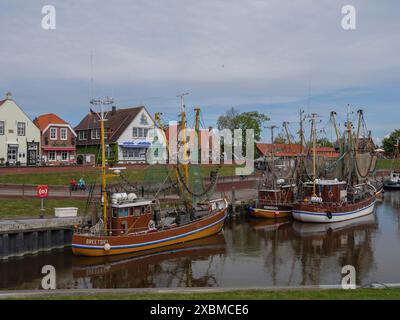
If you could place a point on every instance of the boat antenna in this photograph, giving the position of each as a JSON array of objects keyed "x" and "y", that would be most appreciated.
[{"x": 100, "y": 103}]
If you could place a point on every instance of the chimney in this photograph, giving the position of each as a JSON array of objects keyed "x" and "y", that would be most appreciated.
[
  {"x": 8, "y": 95},
  {"x": 113, "y": 109}
]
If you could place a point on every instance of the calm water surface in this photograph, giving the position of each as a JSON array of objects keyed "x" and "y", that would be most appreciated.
[{"x": 248, "y": 253}]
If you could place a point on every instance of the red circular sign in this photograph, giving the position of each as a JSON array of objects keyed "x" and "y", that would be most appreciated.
[{"x": 42, "y": 191}]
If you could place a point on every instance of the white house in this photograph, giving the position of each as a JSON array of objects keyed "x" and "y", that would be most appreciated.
[
  {"x": 127, "y": 134},
  {"x": 19, "y": 137}
]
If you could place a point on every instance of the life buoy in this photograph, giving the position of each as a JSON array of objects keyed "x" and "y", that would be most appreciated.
[{"x": 329, "y": 215}]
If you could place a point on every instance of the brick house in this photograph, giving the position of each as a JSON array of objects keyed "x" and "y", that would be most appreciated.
[{"x": 58, "y": 140}]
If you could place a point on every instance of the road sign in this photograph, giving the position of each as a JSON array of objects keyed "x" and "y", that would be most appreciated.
[{"x": 42, "y": 191}]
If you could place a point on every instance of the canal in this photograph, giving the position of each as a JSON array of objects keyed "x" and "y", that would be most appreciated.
[{"x": 249, "y": 253}]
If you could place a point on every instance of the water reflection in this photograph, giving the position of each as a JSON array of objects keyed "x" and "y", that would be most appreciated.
[{"x": 250, "y": 252}]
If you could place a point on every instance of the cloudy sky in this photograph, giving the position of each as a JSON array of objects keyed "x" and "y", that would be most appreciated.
[{"x": 274, "y": 56}]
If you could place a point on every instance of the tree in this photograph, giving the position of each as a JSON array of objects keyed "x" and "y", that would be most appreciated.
[
  {"x": 324, "y": 142},
  {"x": 233, "y": 119},
  {"x": 246, "y": 120},
  {"x": 389, "y": 143}
]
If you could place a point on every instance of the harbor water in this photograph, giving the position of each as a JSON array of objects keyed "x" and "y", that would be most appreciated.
[{"x": 249, "y": 252}]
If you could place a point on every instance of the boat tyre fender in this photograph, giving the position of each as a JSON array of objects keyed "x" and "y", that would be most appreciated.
[
  {"x": 329, "y": 215},
  {"x": 152, "y": 224}
]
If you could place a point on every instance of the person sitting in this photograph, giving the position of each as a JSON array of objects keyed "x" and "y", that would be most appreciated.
[
  {"x": 81, "y": 184},
  {"x": 73, "y": 185}
]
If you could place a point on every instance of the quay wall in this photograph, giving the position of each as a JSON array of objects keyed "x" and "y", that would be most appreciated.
[{"x": 31, "y": 236}]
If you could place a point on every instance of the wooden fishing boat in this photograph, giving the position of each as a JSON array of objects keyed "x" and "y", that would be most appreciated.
[
  {"x": 275, "y": 195},
  {"x": 325, "y": 201},
  {"x": 335, "y": 202},
  {"x": 130, "y": 224},
  {"x": 274, "y": 203},
  {"x": 135, "y": 230}
]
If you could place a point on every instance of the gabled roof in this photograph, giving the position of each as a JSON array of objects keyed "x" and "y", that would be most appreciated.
[
  {"x": 117, "y": 121},
  {"x": 44, "y": 120}
]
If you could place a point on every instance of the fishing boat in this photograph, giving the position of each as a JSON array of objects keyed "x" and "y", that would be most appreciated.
[
  {"x": 275, "y": 195},
  {"x": 131, "y": 224},
  {"x": 334, "y": 200}
]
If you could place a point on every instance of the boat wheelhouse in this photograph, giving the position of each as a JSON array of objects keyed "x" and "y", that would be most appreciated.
[{"x": 274, "y": 202}]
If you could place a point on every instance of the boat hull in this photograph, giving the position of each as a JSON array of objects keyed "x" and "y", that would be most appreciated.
[
  {"x": 273, "y": 212},
  {"x": 393, "y": 187},
  {"x": 89, "y": 245},
  {"x": 320, "y": 214}
]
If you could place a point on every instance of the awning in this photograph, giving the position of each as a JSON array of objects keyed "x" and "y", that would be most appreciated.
[
  {"x": 142, "y": 144},
  {"x": 58, "y": 148}
]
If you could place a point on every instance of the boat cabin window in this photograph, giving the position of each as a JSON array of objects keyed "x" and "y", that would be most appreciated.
[{"x": 123, "y": 212}]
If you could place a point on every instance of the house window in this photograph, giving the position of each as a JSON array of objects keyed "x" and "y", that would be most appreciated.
[
  {"x": 1, "y": 128},
  {"x": 53, "y": 133},
  {"x": 21, "y": 128},
  {"x": 52, "y": 156},
  {"x": 130, "y": 153},
  {"x": 95, "y": 134},
  {"x": 139, "y": 132},
  {"x": 64, "y": 156},
  {"x": 82, "y": 135},
  {"x": 63, "y": 134}
]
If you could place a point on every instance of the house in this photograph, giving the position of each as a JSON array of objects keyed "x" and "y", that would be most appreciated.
[
  {"x": 19, "y": 137},
  {"x": 126, "y": 135},
  {"x": 58, "y": 140}
]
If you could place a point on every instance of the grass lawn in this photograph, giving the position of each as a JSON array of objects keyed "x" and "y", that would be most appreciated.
[
  {"x": 334, "y": 294},
  {"x": 151, "y": 174},
  {"x": 387, "y": 164},
  {"x": 30, "y": 207}
]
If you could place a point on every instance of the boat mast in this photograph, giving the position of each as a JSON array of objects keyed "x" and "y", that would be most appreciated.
[
  {"x": 360, "y": 120},
  {"x": 349, "y": 126},
  {"x": 285, "y": 126},
  {"x": 197, "y": 128},
  {"x": 183, "y": 126},
  {"x": 272, "y": 151},
  {"x": 314, "y": 143},
  {"x": 335, "y": 126},
  {"x": 101, "y": 103},
  {"x": 301, "y": 132}
]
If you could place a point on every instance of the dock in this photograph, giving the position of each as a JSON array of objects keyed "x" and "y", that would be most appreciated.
[{"x": 30, "y": 236}]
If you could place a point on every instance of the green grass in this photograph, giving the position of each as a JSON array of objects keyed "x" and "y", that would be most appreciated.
[
  {"x": 387, "y": 164},
  {"x": 335, "y": 294},
  {"x": 151, "y": 174},
  {"x": 30, "y": 207}
]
